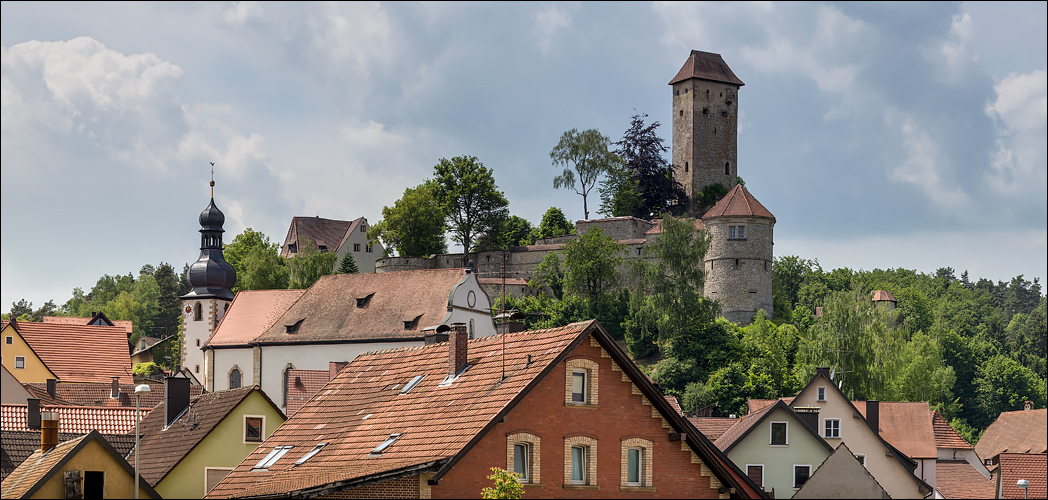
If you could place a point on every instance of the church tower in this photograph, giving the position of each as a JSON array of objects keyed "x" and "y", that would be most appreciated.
[
  {"x": 705, "y": 125},
  {"x": 212, "y": 279}
]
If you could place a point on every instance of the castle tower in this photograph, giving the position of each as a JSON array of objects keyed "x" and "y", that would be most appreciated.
[
  {"x": 739, "y": 262},
  {"x": 705, "y": 124},
  {"x": 212, "y": 279}
]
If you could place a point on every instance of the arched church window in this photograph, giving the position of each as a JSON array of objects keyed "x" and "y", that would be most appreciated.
[
  {"x": 198, "y": 312},
  {"x": 727, "y": 165},
  {"x": 234, "y": 378}
]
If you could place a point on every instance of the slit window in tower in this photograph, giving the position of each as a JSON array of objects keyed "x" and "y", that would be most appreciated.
[
  {"x": 727, "y": 166},
  {"x": 685, "y": 166}
]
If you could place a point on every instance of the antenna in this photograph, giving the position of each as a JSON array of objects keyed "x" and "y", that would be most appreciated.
[
  {"x": 832, "y": 372},
  {"x": 505, "y": 324}
]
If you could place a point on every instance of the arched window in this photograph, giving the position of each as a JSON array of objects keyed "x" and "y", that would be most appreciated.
[
  {"x": 234, "y": 378},
  {"x": 198, "y": 312}
]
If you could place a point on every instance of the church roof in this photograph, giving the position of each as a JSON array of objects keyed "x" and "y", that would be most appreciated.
[
  {"x": 738, "y": 202},
  {"x": 251, "y": 314},
  {"x": 706, "y": 66}
]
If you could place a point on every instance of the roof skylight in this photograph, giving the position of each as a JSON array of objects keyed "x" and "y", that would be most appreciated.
[
  {"x": 385, "y": 444},
  {"x": 272, "y": 457},
  {"x": 411, "y": 385},
  {"x": 316, "y": 449}
]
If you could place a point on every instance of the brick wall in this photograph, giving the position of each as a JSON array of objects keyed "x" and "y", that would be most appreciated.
[
  {"x": 622, "y": 414},
  {"x": 405, "y": 487}
]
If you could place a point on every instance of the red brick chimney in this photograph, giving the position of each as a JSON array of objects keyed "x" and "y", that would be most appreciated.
[
  {"x": 457, "y": 348},
  {"x": 334, "y": 367}
]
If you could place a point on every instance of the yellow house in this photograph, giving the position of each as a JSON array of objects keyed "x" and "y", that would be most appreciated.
[
  {"x": 188, "y": 448},
  {"x": 20, "y": 359},
  {"x": 88, "y": 465}
]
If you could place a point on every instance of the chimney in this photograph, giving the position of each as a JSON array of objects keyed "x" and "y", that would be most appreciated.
[
  {"x": 114, "y": 392},
  {"x": 824, "y": 370},
  {"x": 48, "y": 430},
  {"x": 52, "y": 387},
  {"x": 1027, "y": 405},
  {"x": 32, "y": 419},
  {"x": 334, "y": 367},
  {"x": 176, "y": 398},
  {"x": 457, "y": 339},
  {"x": 873, "y": 415}
]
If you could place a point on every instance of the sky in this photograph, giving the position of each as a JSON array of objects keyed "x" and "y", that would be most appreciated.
[{"x": 898, "y": 135}]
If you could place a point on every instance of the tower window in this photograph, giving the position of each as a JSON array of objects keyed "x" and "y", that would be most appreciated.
[
  {"x": 682, "y": 112},
  {"x": 676, "y": 92},
  {"x": 705, "y": 111},
  {"x": 727, "y": 166},
  {"x": 198, "y": 313},
  {"x": 685, "y": 166},
  {"x": 685, "y": 91}
]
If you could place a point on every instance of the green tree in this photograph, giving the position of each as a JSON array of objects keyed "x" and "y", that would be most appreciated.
[
  {"x": 309, "y": 264},
  {"x": 469, "y": 199},
  {"x": 257, "y": 261},
  {"x": 507, "y": 485},
  {"x": 591, "y": 264},
  {"x": 641, "y": 151},
  {"x": 414, "y": 225},
  {"x": 169, "y": 307},
  {"x": 47, "y": 309},
  {"x": 619, "y": 193},
  {"x": 548, "y": 273},
  {"x": 21, "y": 308},
  {"x": 1003, "y": 384},
  {"x": 585, "y": 157},
  {"x": 517, "y": 232},
  {"x": 553, "y": 224},
  {"x": 348, "y": 265}
]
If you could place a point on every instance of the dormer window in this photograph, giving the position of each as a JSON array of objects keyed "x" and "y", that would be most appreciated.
[
  {"x": 362, "y": 302},
  {"x": 292, "y": 247},
  {"x": 323, "y": 248},
  {"x": 294, "y": 327},
  {"x": 412, "y": 324}
]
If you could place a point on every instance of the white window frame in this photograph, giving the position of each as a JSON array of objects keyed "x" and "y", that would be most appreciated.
[
  {"x": 824, "y": 429},
  {"x": 640, "y": 466},
  {"x": 794, "y": 474},
  {"x": 526, "y": 476},
  {"x": 731, "y": 232},
  {"x": 763, "y": 469},
  {"x": 861, "y": 457},
  {"x": 533, "y": 442},
  {"x": 272, "y": 457},
  {"x": 20, "y": 360},
  {"x": 585, "y": 464},
  {"x": 820, "y": 394},
  {"x": 771, "y": 434},
  {"x": 9, "y": 340},
  {"x": 356, "y": 247},
  {"x": 585, "y": 385},
  {"x": 227, "y": 469},
  {"x": 740, "y": 232},
  {"x": 262, "y": 433}
]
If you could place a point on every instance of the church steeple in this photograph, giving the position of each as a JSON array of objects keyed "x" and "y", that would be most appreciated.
[{"x": 211, "y": 276}]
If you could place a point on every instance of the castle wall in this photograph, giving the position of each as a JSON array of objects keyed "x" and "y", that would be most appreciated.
[{"x": 739, "y": 271}]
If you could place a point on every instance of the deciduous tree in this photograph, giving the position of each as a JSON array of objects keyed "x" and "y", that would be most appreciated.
[
  {"x": 641, "y": 151},
  {"x": 414, "y": 226},
  {"x": 584, "y": 157},
  {"x": 469, "y": 198}
]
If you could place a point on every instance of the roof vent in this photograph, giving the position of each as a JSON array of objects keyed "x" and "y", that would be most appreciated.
[{"x": 385, "y": 444}]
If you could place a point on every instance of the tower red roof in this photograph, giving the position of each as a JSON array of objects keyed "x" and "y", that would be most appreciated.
[{"x": 706, "y": 66}]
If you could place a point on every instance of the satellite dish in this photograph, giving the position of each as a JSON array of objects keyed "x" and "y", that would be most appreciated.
[
  {"x": 832, "y": 371},
  {"x": 840, "y": 385}
]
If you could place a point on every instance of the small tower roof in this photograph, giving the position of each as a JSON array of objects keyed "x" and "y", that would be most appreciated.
[
  {"x": 706, "y": 66},
  {"x": 738, "y": 202},
  {"x": 212, "y": 219}
]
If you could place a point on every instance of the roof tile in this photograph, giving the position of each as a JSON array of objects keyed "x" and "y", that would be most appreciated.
[
  {"x": 75, "y": 419},
  {"x": 906, "y": 426},
  {"x": 79, "y": 353},
  {"x": 738, "y": 203},
  {"x": 958, "y": 479},
  {"x": 1028, "y": 466},
  {"x": 1015, "y": 432},
  {"x": 706, "y": 66},
  {"x": 945, "y": 435},
  {"x": 254, "y": 313}
]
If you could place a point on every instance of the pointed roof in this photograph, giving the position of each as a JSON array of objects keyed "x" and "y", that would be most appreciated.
[
  {"x": 78, "y": 353},
  {"x": 329, "y": 233},
  {"x": 706, "y": 66},
  {"x": 738, "y": 202},
  {"x": 438, "y": 424},
  {"x": 907, "y": 425},
  {"x": 841, "y": 475},
  {"x": 945, "y": 435},
  {"x": 734, "y": 434},
  {"x": 38, "y": 469}
]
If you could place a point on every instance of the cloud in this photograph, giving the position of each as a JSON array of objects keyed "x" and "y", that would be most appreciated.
[
  {"x": 548, "y": 22},
  {"x": 1020, "y": 114},
  {"x": 924, "y": 167}
]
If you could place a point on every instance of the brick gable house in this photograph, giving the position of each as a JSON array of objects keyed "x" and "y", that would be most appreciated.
[{"x": 565, "y": 407}]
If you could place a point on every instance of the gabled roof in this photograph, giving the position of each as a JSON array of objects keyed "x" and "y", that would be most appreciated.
[
  {"x": 322, "y": 232},
  {"x": 303, "y": 385},
  {"x": 362, "y": 406},
  {"x": 39, "y": 468},
  {"x": 945, "y": 435},
  {"x": 842, "y": 476},
  {"x": 251, "y": 314},
  {"x": 20, "y": 445},
  {"x": 328, "y": 310},
  {"x": 907, "y": 426},
  {"x": 94, "y": 394},
  {"x": 958, "y": 479},
  {"x": 74, "y": 419},
  {"x": 706, "y": 66},
  {"x": 1015, "y": 432},
  {"x": 712, "y": 427},
  {"x": 883, "y": 296},
  {"x": 748, "y": 422},
  {"x": 738, "y": 203},
  {"x": 163, "y": 447},
  {"x": 753, "y": 405},
  {"x": 127, "y": 324},
  {"x": 672, "y": 400},
  {"x": 79, "y": 353},
  {"x": 1015, "y": 466}
]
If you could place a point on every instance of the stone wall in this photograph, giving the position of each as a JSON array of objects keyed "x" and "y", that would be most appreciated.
[
  {"x": 705, "y": 135},
  {"x": 739, "y": 270}
]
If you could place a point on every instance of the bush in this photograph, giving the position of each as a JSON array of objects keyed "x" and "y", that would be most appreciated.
[{"x": 507, "y": 485}]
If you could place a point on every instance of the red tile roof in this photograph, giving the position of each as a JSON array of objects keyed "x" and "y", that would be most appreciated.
[
  {"x": 958, "y": 479},
  {"x": 738, "y": 203},
  {"x": 1015, "y": 432},
  {"x": 672, "y": 400},
  {"x": 1028, "y": 466},
  {"x": 302, "y": 385},
  {"x": 883, "y": 295},
  {"x": 945, "y": 435},
  {"x": 328, "y": 309},
  {"x": 126, "y": 324},
  {"x": 907, "y": 426},
  {"x": 706, "y": 66},
  {"x": 740, "y": 428},
  {"x": 79, "y": 353},
  {"x": 164, "y": 446},
  {"x": 322, "y": 232},
  {"x": 712, "y": 427},
  {"x": 362, "y": 406},
  {"x": 20, "y": 445},
  {"x": 753, "y": 405},
  {"x": 93, "y": 394},
  {"x": 251, "y": 314},
  {"x": 75, "y": 419}
]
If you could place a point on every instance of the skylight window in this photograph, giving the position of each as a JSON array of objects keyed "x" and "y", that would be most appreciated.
[
  {"x": 411, "y": 385},
  {"x": 272, "y": 457},
  {"x": 316, "y": 449},
  {"x": 385, "y": 444}
]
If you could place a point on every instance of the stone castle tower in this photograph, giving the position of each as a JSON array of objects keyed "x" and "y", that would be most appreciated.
[
  {"x": 705, "y": 151},
  {"x": 705, "y": 124},
  {"x": 212, "y": 279}
]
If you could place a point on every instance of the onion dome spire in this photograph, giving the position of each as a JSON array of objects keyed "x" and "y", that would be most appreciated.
[{"x": 211, "y": 276}]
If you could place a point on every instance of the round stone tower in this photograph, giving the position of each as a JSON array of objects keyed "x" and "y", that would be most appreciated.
[{"x": 739, "y": 261}]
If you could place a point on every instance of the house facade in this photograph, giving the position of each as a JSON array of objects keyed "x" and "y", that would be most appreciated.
[
  {"x": 565, "y": 408},
  {"x": 329, "y": 235},
  {"x": 36, "y": 352}
]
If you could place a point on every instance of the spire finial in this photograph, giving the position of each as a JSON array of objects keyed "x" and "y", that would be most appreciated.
[{"x": 212, "y": 180}]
